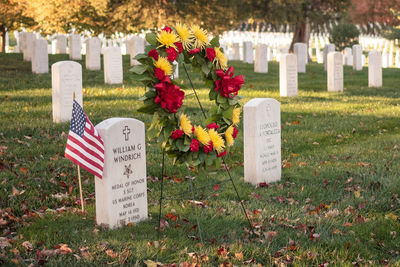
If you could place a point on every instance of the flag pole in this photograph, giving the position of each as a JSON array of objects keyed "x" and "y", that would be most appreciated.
[{"x": 79, "y": 174}]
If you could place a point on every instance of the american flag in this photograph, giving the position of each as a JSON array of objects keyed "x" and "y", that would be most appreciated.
[{"x": 84, "y": 145}]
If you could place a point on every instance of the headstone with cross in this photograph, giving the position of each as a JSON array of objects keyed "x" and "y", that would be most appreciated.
[{"x": 121, "y": 195}]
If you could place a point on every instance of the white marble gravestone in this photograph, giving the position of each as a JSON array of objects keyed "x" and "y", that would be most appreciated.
[
  {"x": 357, "y": 60},
  {"x": 235, "y": 51},
  {"x": 175, "y": 75},
  {"x": 385, "y": 59},
  {"x": 335, "y": 72},
  {"x": 136, "y": 47},
  {"x": 262, "y": 141},
  {"x": 288, "y": 75},
  {"x": 66, "y": 78},
  {"x": 300, "y": 50},
  {"x": 248, "y": 52},
  {"x": 374, "y": 69},
  {"x": 28, "y": 45},
  {"x": 113, "y": 65},
  {"x": 40, "y": 57},
  {"x": 93, "y": 48},
  {"x": 328, "y": 48},
  {"x": 75, "y": 47},
  {"x": 348, "y": 56},
  {"x": 21, "y": 41},
  {"x": 261, "y": 59},
  {"x": 61, "y": 44},
  {"x": 121, "y": 195}
]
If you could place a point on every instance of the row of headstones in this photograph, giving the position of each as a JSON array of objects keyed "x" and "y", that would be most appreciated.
[{"x": 121, "y": 194}]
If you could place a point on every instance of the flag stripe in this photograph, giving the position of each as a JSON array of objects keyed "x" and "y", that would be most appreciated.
[
  {"x": 73, "y": 152},
  {"x": 89, "y": 139},
  {"x": 71, "y": 156},
  {"x": 82, "y": 142},
  {"x": 83, "y": 154},
  {"x": 95, "y": 137}
]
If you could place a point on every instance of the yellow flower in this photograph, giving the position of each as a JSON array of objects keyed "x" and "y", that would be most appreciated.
[
  {"x": 201, "y": 37},
  {"x": 236, "y": 116},
  {"x": 228, "y": 136},
  {"x": 202, "y": 135},
  {"x": 185, "y": 35},
  {"x": 185, "y": 125},
  {"x": 167, "y": 38},
  {"x": 217, "y": 140},
  {"x": 162, "y": 63},
  {"x": 220, "y": 59}
]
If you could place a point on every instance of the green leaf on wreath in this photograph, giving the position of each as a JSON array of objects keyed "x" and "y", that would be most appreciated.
[
  {"x": 212, "y": 95},
  {"x": 148, "y": 109},
  {"x": 215, "y": 42},
  {"x": 221, "y": 99},
  {"x": 205, "y": 69},
  {"x": 210, "y": 158},
  {"x": 228, "y": 113},
  {"x": 181, "y": 146},
  {"x": 138, "y": 69},
  {"x": 151, "y": 38},
  {"x": 141, "y": 56}
]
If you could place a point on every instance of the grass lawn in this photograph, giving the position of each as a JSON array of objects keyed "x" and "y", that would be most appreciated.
[{"x": 338, "y": 201}]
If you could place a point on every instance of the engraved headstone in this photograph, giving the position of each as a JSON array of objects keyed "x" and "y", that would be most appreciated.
[
  {"x": 121, "y": 195},
  {"x": 348, "y": 56},
  {"x": 357, "y": 60},
  {"x": 61, "y": 44},
  {"x": 75, "y": 47},
  {"x": 385, "y": 59},
  {"x": 113, "y": 65},
  {"x": 288, "y": 75},
  {"x": 261, "y": 59},
  {"x": 40, "y": 57},
  {"x": 328, "y": 48},
  {"x": 66, "y": 78},
  {"x": 262, "y": 141},
  {"x": 248, "y": 52},
  {"x": 93, "y": 47},
  {"x": 335, "y": 72},
  {"x": 374, "y": 69},
  {"x": 136, "y": 47},
  {"x": 300, "y": 50},
  {"x": 28, "y": 45},
  {"x": 235, "y": 51}
]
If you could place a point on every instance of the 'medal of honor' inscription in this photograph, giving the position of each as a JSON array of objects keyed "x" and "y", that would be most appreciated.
[
  {"x": 262, "y": 140},
  {"x": 121, "y": 195}
]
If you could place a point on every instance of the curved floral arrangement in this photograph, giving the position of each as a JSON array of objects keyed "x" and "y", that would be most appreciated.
[{"x": 185, "y": 142}]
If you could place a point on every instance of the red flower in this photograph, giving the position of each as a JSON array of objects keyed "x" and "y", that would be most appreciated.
[
  {"x": 194, "y": 145},
  {"x": 208, "y": 148},
  {"x": 228, "y": 86},
  {"x": 213, "y": 126},
  {"x": 210, "y": 52},
  {"x": 192, "y": 129},
  {"x": 235, "y": 132},
  {"x": 167, "y": 29},
  {"x": 177, "y": 134},
  {"x": 221, "y": 154},
  {"x": 159, "y": 73},
  {"x": 169, "y": 96},
  {"x": 154, "y": 54},
  {"x": 194, "y": 51},
  {"x": 179, "y": 46},
  {"x": 172, "y": 55}
]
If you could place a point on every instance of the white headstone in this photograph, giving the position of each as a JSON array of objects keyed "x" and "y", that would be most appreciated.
[
  {"x": 300, "y": 50},
  {"x": 40, "y": 57},
  {"x": 335, "y": 72},
  {"x": 176, "y": 71},
  {"x": 348, "y": 56},
  {"x": 385, "y": 59},
  {"x": 235, "y": 51},
  {"x": 328, "y": 48},
  {"x": 113, "y": 65},
  {"x": 288, "y": 75},
  {"x": 28, "y": 45},
  {"x": 121, "y": 195},
  {"x": 248, "y": 52},
  {"x": 262, "y": 141},
  {"x": 75, "y": 47},
  {"x": 261, "y": 59},
  {"x": 357, "y": 60},
  {"x": 397, "y": 58},
  {"x": 66, "y": 78},
  {"x": 93, "y": 47},
  {"x": 136, "y": 47},
  {"x": 374, "y": 69},
  {"x": 61, "y": 44}
]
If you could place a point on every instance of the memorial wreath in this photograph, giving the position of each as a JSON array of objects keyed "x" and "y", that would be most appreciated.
[{"x": 180, "y": 139}]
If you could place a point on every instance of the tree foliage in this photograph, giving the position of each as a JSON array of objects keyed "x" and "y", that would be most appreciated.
[{"x": 344, "y": 35}]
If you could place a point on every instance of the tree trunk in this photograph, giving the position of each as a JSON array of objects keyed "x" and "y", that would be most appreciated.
[
  {"x": 2, "y": 39},
  {"x": 301, "y": 34}
]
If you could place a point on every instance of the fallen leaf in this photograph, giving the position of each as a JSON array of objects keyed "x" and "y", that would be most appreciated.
[
  {"x": 216, "y": 187},
  {"x": 23, "y": 170},
  {"x": 391, "y": 216},
  {"x": 270, "y": 234},
  {"x": 27, "y": 246},
  {"x": 111, "y": 253},
  {"x": 239, "y": 256},
  {"x": 64, "y": 249}
]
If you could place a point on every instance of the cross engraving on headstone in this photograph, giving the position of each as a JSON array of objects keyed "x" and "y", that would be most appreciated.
[
  {"x": 128, "y": 171},
  {"x": 126, "y": 132}
]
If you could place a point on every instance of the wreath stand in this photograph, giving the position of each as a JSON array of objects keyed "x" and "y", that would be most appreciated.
[{"x": 189, "y": 177}]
